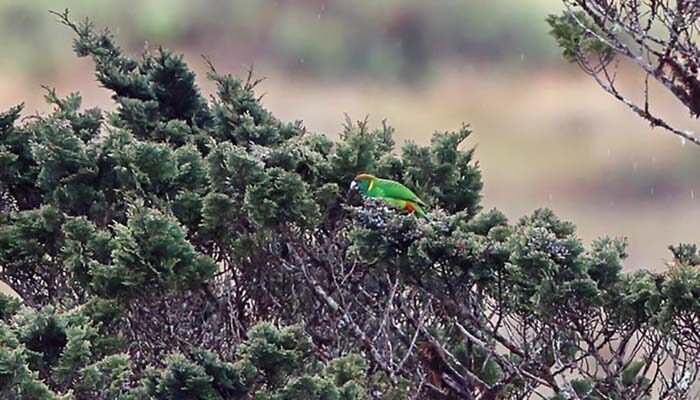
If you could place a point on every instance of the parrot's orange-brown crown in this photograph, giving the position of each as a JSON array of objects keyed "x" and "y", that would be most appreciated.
[{"x": 364, "y": 177}]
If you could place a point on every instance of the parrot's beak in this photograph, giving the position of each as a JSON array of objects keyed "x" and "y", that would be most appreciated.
[{"x": 353, "y": 185}]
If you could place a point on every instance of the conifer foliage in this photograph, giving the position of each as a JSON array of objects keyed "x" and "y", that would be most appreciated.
[{"x": 179, "y": 248}]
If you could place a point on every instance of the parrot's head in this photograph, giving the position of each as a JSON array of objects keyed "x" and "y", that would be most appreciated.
[{"x": 363, "y": 183}]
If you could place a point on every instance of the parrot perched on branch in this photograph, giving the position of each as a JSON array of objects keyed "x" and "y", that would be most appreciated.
[{"x": 393, "y": 193}]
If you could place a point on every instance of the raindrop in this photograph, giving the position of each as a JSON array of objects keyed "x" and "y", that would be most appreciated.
[
  {"x": 319, "y": 15},
  {"x": 635, "y": 165},
  {"x": 692, "y": 194},
  {"x": 653, "y": 159},
  {"x": 609, "y": 152},
  {"x": 651, "y": 190},
  {"x": 550, "y": 197},
  {"x": 301, "y": 60},
  {"x": 522, "y": 57},
  {"x": 683, "y": 141}
]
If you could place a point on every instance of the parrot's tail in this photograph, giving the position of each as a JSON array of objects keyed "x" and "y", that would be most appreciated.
[{"x": 418, "y": 210}]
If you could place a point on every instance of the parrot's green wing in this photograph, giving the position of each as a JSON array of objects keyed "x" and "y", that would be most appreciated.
[{"x": 389, "y": 188}]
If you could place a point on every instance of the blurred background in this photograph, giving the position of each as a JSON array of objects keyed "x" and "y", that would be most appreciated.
[{"x": 546, "y": 135}]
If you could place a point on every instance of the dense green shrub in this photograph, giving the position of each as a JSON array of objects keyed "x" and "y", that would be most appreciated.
[{"x": 179, "y": 248}]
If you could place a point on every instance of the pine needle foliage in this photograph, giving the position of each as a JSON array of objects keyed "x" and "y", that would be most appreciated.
[{"x": 180, "y": 248}]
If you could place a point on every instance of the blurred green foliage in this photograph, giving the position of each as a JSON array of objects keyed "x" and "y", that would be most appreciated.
[{"x": 330, "y": 38}]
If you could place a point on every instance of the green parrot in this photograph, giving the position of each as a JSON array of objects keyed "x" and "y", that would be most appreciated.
[{"x": 393, "y": 193}]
